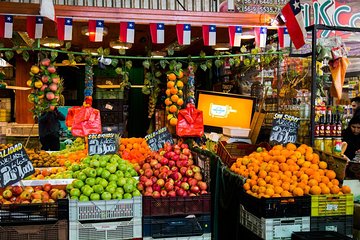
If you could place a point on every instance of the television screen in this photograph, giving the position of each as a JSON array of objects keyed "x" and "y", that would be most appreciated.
[{"x": 224, "y": 109}]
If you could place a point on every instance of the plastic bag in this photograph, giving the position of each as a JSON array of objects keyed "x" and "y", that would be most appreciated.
[
  {"x": 70, "y": 116},
  {"x": 190, "y": 122},
  {"x": 86, "y": 121}
]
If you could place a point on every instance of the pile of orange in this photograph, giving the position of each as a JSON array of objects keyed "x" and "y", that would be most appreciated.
[
  {"x": 134, "y": 149},
  {"x": 67, "y": 158},
  {"x": 287, "y": 171},
  {"x": 174, "y": 95}
]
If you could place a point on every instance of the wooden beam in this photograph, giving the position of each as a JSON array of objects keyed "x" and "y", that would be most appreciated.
[{"x": 142, "y": 16}]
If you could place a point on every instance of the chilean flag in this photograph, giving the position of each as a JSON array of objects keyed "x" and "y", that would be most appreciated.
[
  {"x": 96, "y": 30},
  {"x": 235, "y": 36},
  {"x": 209, "y": 35},
  {"x": 157, "y": 33},
  {"x": 64, "y": 29},
  {"x": 6, "y": 26},
  {"x": 260, "y": 36},
  {"x": 34, "y": 26},
  {"x": 295, "y": 22},
  {"x": 284, "y": 38},
  {"x": 183, "y": 33},
  {"x": 127, "y": 32}
]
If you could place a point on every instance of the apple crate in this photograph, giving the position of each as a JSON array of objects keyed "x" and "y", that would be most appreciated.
[
  {"x": 203, "y": 162},
  {"x": 105, "y": 209},
  {"x": 206, "y": 236},
  {"x": 107, "y": 230},
  {"x": 229, "y": 152},
  {"x": 341, "y": 224},
  {"x": 273, "y": 228},
  {"x": 277, "y": 207},
  {"x": 332, "y": 205},
  {"x": 320, "y": 235},
  {"x": 172, "y": 206},
  {"x": 11, "y": 214},
  {"x": 56, "y": 231},
  {"x": 182, "y": 226}
]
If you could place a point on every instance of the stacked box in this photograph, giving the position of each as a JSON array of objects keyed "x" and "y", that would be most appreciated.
[
  {"x": 177, "y": 217},
  {"x": 105, "y": 220}
]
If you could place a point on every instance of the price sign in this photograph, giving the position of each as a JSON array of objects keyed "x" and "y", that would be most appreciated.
[
  {"x": 284, "y": 129},
  {"x": 14, "y": 165},
  {"x": 102, "y": 144},
  {"x": 260, "y": 6},
  {"x": 157, "y": 139}
]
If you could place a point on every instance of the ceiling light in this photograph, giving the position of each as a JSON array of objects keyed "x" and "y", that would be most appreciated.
[
  {"x": 85, "y": 31},
  {"x": 221, "y": 47},
  {"x": 247, "y": 34},
  {"x": 158, "y": 54},
  {"x": 92, "y": 51},
  {"x": 51, "y": 42},
  {"x": 120, "y": 45}
]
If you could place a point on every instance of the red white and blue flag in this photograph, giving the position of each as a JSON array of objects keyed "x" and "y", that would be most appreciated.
[
  {"x": 64, "y": 29},
  {"x": 209, "y": 35},
  {"x": 6, "y": 26},
  {"x": 235, "y": 35},
  {"x": 183, "y": 32},
  {"x": 260, "y": 36},
  {"x": 295, "y": 22},
  {"x": 96, "y": 30},
  {"x": 157, "y": 31},
  {"x": 284, "y": 38},
  {"x": 127, "y": 32},
  {"x": 34, "y": 26}
]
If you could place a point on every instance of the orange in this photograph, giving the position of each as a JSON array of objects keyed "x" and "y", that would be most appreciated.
[
  {"x": 312, "y": 182},
  {"x": 335, "y": 189},
  {"x": 315, "y": 190},
  {"x": 291, "y": 146},
  {"x": 331, "y": 174},
  {"x": 262, "y": 174},
  {"x": 180, "y": 102},
  {"x": 129, "y": 146},
  {"x": 170, "y": 84},
  {"x": 171, "y": 77},
  {"x": 322, "y": 165},
  {"x": 298, "y": 192},
  {"x": 173, "y": 121},
  {"x": 168, "y": 102},
  {"x": 173, "y": 90},
  {"x": 173, "y": 109},
  {"x": 345, "y": 189},
  {"x": 286, "y": 194},
  {"x": 167, "y": 92},
  {"x": 325, "y": 179},
  {"x": 174, "y": 98},
  {"x": 270, "y": 192},
  {"x": 325, "y": 190},
  {"x": 181, "y": 74},
  {"x": 335, "y": 182},
  {"x": 246, "y": 186}
]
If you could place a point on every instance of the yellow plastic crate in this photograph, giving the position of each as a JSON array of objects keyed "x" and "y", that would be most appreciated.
[{"x": 332, "y": 205}]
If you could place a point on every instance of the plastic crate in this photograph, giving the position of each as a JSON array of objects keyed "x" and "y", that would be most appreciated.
[
  {"x": 172, "y": 206},
  {"x": 105, "y": 210},
  {"x": 165, "y": 227},
  {"x": 206, "y": 236},
  {"x": 107, "y": 230},
  {"x": 11, "y": 214},
  {"x": 332, "y": 205},
  {"x": 56, "y": 231},
  {"x": 204, "y": 163},
  {"x": 341, "y": 224},
  {"x": 273, "y": 228},
  {"x": 229, "y": 152},
  {"x": 277, "y": 207},
  {"x": 322, "y": 235}
]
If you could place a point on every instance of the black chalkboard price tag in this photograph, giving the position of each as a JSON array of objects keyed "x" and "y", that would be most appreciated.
[
  {"x": 157, "y": 139},
  {"x": 284, "y": 129},
  {"x": 102, "y": 144},
  {"x": 15, "y": 165}
]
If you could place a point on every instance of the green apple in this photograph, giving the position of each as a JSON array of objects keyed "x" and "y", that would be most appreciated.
[
  {"x": 127, "y": 175},
  {"x": 86, "y": 161},
  {"x": 98, "y": 180},
  {"x": 99, "y": 170},
  {"x": 90, "y": 181},
  {"x": 120, "y": 190},
  {"x": 87, "y": 191},
  {"x": 75, "y": 174},
  {"x": 106, "y": 196},
  {"x": 133, "y": 172},
  {"x": 111, "y": 167},
  {"x": 84, "y": 187},
  {"x": 117, "y": 195},
  {"x": 122, "y": 167},
  {"x": 127, "y": 196},
  {"x": 121, "y": 182},
  {"x": 113, "y": 177},
  {"x": 136, "y": 193},
  {"x": 91, "y": 173},
  {"x": 119, "y": 173},
  {"x": 104, "y": 183},
  {"x": 69, "y": 187},
  {"x": 113, "y": 183},
  {"x": 102, "y": 163},
  {"x": 105, "y": 174},
  {"x": 83, "y": 198},
  {"x": 77, "y": 183},
  {"x": 131, "y": 180},
  {"x": 75, "y": 167},
  {"x": 115, "y": 157},
  {"x": 110, "y": 189},
  {"x": 95, "y": 196},
  {"x": 75, "y": 192},
  {"x": 98, "y": 189},
  {"x": 95, "y": 156},
  {"x": 74, "y": 198},
  {"x": 82, "y": 176},
  {"x": 94, "y": 163},
  {"x": 128, "y": 188}
]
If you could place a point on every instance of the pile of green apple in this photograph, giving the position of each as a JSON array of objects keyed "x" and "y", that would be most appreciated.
[{"x": 103, "y": 177}]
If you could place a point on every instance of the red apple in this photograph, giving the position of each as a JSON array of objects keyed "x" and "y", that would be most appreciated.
[
  {"x": 171, "y": 163},
  {"x": 156, "y": 187},
  {"x": 157, "y": 166},
  {"x": 185, "y": 186},
  {"x": 29, "y": 189},
  {"x": 192, "y": 195},
  {"x": 163, "y": 193},
  {"x": 148, "y": 183},
  {"x": 184, "y": 146},
  {"x": 148, "y": 172},
  {"x": 17, "y": 190},
  {"x": 156, "y": 194},
  {"x": 177, "y": 152},
  {"x": 143, "y": 178},
  {"x": 190, "y": 162},
  {"x": 25, "y": 195},
  {"x": 45, "y": 196},
  {"x": 51, "y": 69},
  {"x": 47, "y": 187},
  {"x": 7, "y": 194},
  {"x": 177, "y": 183},
  {"x": 171, "y": 193},
  {"x": 169, "y": 186},
  {"x": 153, "y": 162},
  {"x": 160, "y": 182},
  {"x": 36, "y": 195},
  {"x": 38, "y": 188},
  {"x": 195, "y": 189},
  {"x": 164, "y": 161},
  {"x": 146, "y": 166},
  {"x": 202, "y": 185},
  {"x": 45, "y": 62},
  {"x": 203, "y": 192},
  {"x": 198, "y": 176},
  {"x": 170, "y": 180},
  {"x": 36, "y": 200},
  {"x": 61, "y": 194},
  {"x": 149, "y": 189},
  {"x": 54, "y": 194},
  {"x": 189, "y": 173},
  {"x": 183, "y": 170},
  {"x": 140, "y": 186},
  {"x": 154, "y": 179},
  {"x": 164, "y": 168},
  {"x": 192, "y": 181},
  {"x": 162, "y": 175},
  {"x": 180, "y": 192},
  {"x": 195, "y": 168}
]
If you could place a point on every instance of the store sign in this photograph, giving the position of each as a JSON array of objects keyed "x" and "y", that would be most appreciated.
[
  {"x": 260, "y": 6},
  {"x": 102, "y": 144},
  {"x": 14, "y": 165},
  {"x": 284, "y": 129},
  {"x": 157, "y": 139}
]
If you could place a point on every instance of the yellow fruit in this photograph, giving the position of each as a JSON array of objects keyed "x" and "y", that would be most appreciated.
[
  {"x": 179, "y": 84},
  {"x": 169, "y": 117},
  {"x": 171, "y": 77},
  {"x": 35, "y": 69},
  {"x": 173, "y": 121},
  {"x": 28, "y": 83},
  {"x": 180, "y": 93},
  {"x": 174, "y": 98},
  {"x": 38, "y": 84},
  {"x": 181, "y": 74},
  {"x": 170, "y": 84},
  {"x": 31, "y": 98}
]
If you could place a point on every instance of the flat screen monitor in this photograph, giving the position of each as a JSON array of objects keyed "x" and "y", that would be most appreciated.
[{"x": 224, "y": 109}]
